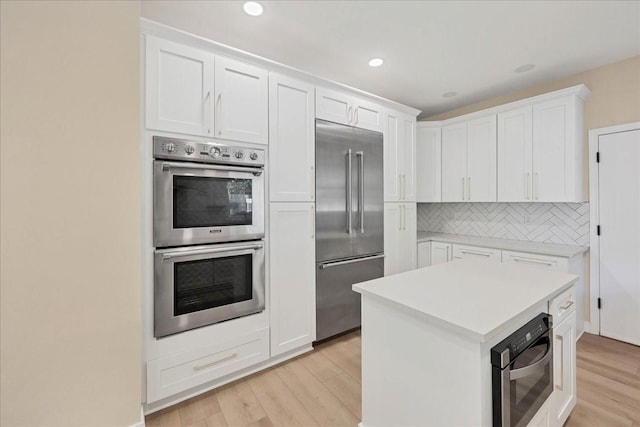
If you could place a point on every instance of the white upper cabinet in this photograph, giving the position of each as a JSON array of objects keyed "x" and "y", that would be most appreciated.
[
  {"x": 399, "y": 157},
  {"x": 469, "y": 160},
  {"x": 348, "y": 110},
  {"x": 515, "y": 134},
  {"x": 481, "y": 160},
  {"x": 179, "y": 88},
  {"x": 292, "y": 140},
  {"x": 241, "y": 107},
  {"x": 428, "y": 163},
  {"x": 454, "y": 159},
  {"x": 558, "y": 151},
  {"x": 193, "y": 92}
]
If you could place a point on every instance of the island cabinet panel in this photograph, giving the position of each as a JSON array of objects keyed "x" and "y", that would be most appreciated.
[
  {"x": 564, "y": 368},
  {"x": 441, "y": 252},
  {"x": 292, "y": 276},
  {"x": 292, "y": 140},
  {"x": 462, "y": 251},
  {"x": 179, "y": 88}
]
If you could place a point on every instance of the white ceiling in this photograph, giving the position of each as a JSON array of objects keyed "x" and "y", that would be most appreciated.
[{"x": 429, "y": 47}]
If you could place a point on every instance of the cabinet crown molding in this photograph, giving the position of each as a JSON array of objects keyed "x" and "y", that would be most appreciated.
[{"x": 581, "y": 91}]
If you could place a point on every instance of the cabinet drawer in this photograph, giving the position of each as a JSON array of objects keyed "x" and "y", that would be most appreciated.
[
  {"x": 536, "y": 261},
  {"x": 170, "y": 375},
  {"x": 462, "y": 251},
  {"x": 563, "y": 305}
]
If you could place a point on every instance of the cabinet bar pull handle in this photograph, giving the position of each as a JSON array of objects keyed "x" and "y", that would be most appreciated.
[
  {"x": 350, "y": 114},
  {"x": 527, "y": 185},
  {"x": 468, "y": 188},
  {"x": 219, "y": 108},
  {"x": 215, "y": 362},
  {"x": 349, "y": 195},
  {"x": 355, "y": 116},
  {"x": 566, "y": 306},
  {"x": 476, "y": 253},
  {"x": 404, "y": 187},
  {"x": 208, "y": 116},
  {"x": 534, "y": 261}
]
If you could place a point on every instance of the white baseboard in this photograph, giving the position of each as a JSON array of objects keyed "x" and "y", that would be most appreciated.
[
  {"x": 587, "y": 328},
  {"x": 141, "y": 422}
]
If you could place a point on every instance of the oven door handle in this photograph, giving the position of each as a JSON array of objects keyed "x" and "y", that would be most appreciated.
[
  {"x": 166, "y": 166},
  {"x": 176, "y": 254},
  {"x": 533, "y": 368}
]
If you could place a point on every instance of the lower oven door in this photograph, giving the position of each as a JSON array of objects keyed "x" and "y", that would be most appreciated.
[
  {"x": 202, "y": 285},
  {"x": 526, "y": 383}
]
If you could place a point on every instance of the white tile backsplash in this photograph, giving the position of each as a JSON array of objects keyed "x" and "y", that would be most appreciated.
[{"x": 563, "y": 223}]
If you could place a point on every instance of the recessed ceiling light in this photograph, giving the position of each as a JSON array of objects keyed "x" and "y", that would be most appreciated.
[
  {"x": 252, "y": 8},
  {"x": 524, "y": 68},
  {"x": 449, "y": 94},
  {"x": 376, "y": 62}
]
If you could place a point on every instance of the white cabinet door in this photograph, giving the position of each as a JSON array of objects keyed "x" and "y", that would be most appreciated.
[
  {"x": 428, "y": 164},
  {"x": 179, "y": 88},
  {"x": 292, "y": 140},
  {"x": 481, "y": 159},
  {"x": 408, "y": 260},
  {"x": 409, "y": 158},
  {"x": 564, "y": 369},
  {"x": 392, "y": 238},
  {"x": 367, "y": 115},
  {"x": 424, "y": 254},
  {"x": 392, "y": 157},
  {"x": 536, "y": 261},
  {"x": 515, "y": 163},
  {"x": 554, "y": 146},
  {"x": 292, "y": 276},
  {"x": 333, "y": 106},
  {"x": 440, "y": 252},
  {"x": 476, "y": 252},
  {"x": 454, "y": 157},
  {"x": 241, "y": 107}
]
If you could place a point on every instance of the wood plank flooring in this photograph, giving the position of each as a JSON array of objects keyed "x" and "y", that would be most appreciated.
[{"x": 322, "y": 388}]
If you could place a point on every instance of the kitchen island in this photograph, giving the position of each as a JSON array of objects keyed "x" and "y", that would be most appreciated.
[{"x": 427, "y": 335}]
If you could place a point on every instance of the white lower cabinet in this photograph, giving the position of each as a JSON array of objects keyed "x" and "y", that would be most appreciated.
[
  {"x": 441, "y": 252},
  {"x": 399, "y": 237},
  {"x": 424, "y": 254},
  {"x": 489, "y": 254},
  {"x": 292, "y": 276},
  {"x": 170, "y": 375}
]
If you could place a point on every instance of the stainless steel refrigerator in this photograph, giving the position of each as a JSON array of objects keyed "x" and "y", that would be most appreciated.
[{"x": 349, "y": 222}]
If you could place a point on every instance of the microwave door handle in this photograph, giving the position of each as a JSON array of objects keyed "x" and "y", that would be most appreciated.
[
  {"x": 533, "y": 368},
  {"x": 237, "y": 248},
  {"x": 166, "y": 166},
  {"x": 361, "y": 190}
]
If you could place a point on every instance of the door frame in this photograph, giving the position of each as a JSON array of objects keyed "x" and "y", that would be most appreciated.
[{"x": 594, "y": 217}]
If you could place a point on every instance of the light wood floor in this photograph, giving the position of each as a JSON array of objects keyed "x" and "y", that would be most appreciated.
[{"x": 322, "y": 388}]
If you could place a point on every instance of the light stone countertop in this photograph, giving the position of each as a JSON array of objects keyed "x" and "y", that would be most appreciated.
[
  {"x": 472, "y": 297},
  {"x": 552, "y": 249}
]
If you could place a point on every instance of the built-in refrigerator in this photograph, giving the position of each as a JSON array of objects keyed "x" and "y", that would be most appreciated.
[{"x": 349, "y": 222}]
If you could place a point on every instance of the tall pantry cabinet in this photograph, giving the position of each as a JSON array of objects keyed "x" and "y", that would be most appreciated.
[{"x": 291, "y": 213}]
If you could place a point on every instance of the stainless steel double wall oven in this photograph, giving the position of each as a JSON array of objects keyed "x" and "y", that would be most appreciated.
[{"x": 208, "y": 226}]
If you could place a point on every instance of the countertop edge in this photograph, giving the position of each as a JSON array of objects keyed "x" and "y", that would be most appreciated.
[{"x": 494, "y": 243}]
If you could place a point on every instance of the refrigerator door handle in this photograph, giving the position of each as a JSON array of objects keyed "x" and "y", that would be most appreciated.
[
  {"x": 349, "y": 182},
  {"x": 361, "y": 190},
  {"x": 349, "y": 261}
]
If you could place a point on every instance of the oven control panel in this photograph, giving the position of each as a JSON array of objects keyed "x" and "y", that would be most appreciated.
[{"x": 206, "y": 152}]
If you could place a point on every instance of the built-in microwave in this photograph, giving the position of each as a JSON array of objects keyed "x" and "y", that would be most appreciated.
[
  {"x": 206, "y": 193},
  {"x": 201, "y": 285}
]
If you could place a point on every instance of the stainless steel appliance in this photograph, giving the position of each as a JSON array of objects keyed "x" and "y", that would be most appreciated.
[
  {"x": 206, "y": 192},
  {"x": 200, "y": 285},
  {"x": 349, "y": 222},
  {"x": 522, "y": 373}
]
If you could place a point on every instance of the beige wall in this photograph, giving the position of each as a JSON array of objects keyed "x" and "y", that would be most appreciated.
[{"x": 70, "y": 194}]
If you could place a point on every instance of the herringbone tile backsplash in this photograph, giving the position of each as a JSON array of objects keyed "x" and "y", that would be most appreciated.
[{"x": 563, "y": 223}]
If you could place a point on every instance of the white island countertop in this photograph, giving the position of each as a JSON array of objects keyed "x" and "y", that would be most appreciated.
[{"x": 475, "y": 298}]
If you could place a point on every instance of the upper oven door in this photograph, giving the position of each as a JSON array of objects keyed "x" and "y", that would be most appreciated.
[{"x": 203, "y": 203}]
